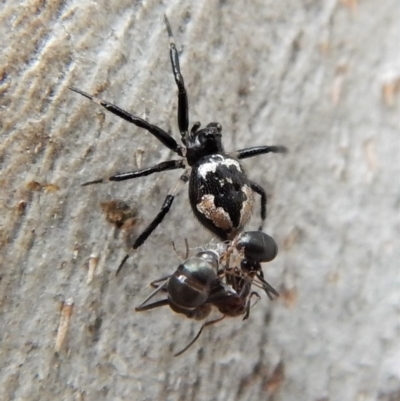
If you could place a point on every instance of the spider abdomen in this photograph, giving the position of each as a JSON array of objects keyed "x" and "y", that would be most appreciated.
[{"x": 220, "y": 195}]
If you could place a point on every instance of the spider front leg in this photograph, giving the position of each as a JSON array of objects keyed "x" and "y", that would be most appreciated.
[
  {"x": 165, "y": 208},
  {"x": 183, "y": 105},
  {"x": 163, "y": 166},
  {"x": 159, "y": 133}
]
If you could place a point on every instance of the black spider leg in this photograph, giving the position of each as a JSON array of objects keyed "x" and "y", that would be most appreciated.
[
  {"x": 163, "y": 166},
  {"x": 260, "y": 190},
  {"x": 258, "y": 150},
  {"x": 204, "y": 325},
  {"x": 165, "y": 208},
  {"x": 159, "y": 133},
  {"x": 183, "y": 105},
  {"x": 255, "y": 151}
]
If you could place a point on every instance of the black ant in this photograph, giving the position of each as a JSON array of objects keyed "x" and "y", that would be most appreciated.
[{"x": 201, "y": 281}]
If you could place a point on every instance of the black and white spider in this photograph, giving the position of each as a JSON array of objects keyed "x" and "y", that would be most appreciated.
[{"x": 220, "y": 193}]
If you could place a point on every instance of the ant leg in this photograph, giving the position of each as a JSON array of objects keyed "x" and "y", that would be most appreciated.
[
  {"x": 266, "y": 286},
  {"x": 183, "y": 106},
  {"x": 165, "y": 208},
  {"x": 157, "y": 304},
  {"x": 222, "y": 293},
  {"x": 258, "y": 150},
  {"x": 260, "y": 190},
  {"x": 159, "y": 133},
  {"x": 187, "y": 249},
  {"x": 155, "y": 284},
  {"x": 158, "y": 288},
  {"x": 180, "y": 256},
  {"x": 198, "y": 334},
  {"x": 164, "y": 166},
  {"x": 249, "y": 305}
]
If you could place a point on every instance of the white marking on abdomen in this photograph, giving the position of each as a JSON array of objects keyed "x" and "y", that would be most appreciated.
[{"x": 216, "y": 161}]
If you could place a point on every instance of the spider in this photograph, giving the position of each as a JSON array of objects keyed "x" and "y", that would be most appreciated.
[{"x": 220, "y": 193}]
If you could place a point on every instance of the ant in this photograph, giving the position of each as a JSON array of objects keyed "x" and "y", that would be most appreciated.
[
  {"x": 220, "y": 193},
  {"x": 199, "y": 282}
]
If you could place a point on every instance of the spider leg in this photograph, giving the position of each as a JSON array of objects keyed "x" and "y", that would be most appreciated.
[
  {"x": 183, "y": 106},
  {"x": 165, "y": 208},
  {"x": 198, "y": 334},
  {"x": 164, "y": 166},
  {"x": 159, "y": 133},
  {"x": 260, "y": 190},
  {"x": 255, "y": 151},
  {"x": 258, "y": 150}
]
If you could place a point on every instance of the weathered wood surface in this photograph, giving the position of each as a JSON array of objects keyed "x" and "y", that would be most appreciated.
[{"x": 321, "y": 78}]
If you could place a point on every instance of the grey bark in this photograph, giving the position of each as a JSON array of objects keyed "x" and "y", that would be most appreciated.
[{"x": 321, "y": 77}]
